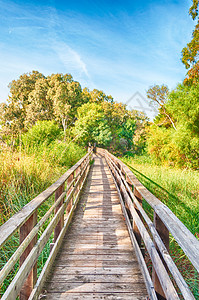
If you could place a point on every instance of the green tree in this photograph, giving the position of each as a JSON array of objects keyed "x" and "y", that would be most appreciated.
[
  {"x": 14, "y": 115},
  {"x": 158, "y": 96},
  {"x": 178, "y": 146},
  {"x": 66, "y": 96},
  {"x": 141, "y": 126},
  {"x": 91, "y": 125},
  {"x": 191, "y": 51},
  {"x": 40, "y": 107}
]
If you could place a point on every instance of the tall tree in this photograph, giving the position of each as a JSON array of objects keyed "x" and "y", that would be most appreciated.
[
  {"x": 92, "y": 126},
  {"x": 18, "y": 101},
  {"x": 191, "y": 51},
  {"x": 158, "y": 96},
  {"x": 40, "y": 106},
  {"x": 66, "y": 96}
]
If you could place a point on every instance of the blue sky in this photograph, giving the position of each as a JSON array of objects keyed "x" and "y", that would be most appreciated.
[{"x": 120, "y": 47}]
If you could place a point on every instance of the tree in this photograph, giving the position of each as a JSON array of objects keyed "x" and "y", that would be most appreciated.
[
  {"x": 92, "y": 126},
  {"x": 191, "y": 51},
  {"x": 184, "y": 106},
  {"x": 14, "y": 115},
  {"x": 40, "y": 106},
  {"x": 141, "y": 125},
  {"x": 100, "y": 96},
  {"x": 66, "y": 96},
  {"x": 178, "y": 147},
  {"x": 159, "y": 96}
]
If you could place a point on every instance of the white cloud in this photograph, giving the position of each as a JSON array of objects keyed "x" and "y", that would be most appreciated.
[{"x": 70, "y": 58}]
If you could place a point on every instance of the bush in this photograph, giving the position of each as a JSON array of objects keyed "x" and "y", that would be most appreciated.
[{"x": 42, "y": 132}]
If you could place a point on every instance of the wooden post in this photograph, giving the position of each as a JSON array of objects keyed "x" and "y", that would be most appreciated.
[
  {"x": 71, "y": 201},
  {"x": 135, "y": 228},
  {"x": 164, "y": 235},
  {"x": 60, "y": 224},
  {"x": 32, "y": 277},
  {"x": 94, "y": 148}
]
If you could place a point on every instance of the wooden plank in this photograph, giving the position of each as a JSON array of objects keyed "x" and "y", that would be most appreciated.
[
  {"x": 97, "y": 278},
  {"x": 83, "y": 271},
  {"x": 96, "y": 296},
  {"x": 135, "y": 228},
  {"x": 89, "y": 287}
]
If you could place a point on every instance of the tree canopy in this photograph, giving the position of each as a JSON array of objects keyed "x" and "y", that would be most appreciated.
[
  {"x": 191, "y": 50},
  {"x": 84, "y": 115}
]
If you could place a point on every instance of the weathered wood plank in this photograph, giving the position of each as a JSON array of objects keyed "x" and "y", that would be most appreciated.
[
  {"x": 89, "y": 287},
  {"x": 96, "y": 296},
  {"x": 82, "y": 271}
]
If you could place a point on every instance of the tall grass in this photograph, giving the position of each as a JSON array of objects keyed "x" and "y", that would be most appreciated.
[
  {"x": 23, "y": 175},
  {"x": 179, "y": 190},
  {"x": 26, "y": 173}
]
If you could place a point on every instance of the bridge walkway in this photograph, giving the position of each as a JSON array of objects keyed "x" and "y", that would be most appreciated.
[{"x": 96, "y": 259}]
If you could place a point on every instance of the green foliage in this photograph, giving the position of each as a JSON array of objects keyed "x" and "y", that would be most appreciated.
[
  {"x": 158, "y": 96},
  {"x": 127, "y": 132},
  {"x": 35, "y": 97},
  {"x": 191, "y": 51},
  {"x": 177, "y": 146},
  {"x": 160, "y": 146},
  {"x": 91, "y": 125},
  {"x": 41, "y": 132},
  {"x": 184, "y": 105},
  {"x": 95, "y": 116},
  {"x": 64, "y": 153}
]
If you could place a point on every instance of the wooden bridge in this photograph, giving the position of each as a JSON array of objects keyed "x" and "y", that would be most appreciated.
[{"x": 101, "y": 236}]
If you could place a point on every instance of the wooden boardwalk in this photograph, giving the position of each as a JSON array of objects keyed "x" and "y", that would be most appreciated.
[{"x": 96, "y": 260}]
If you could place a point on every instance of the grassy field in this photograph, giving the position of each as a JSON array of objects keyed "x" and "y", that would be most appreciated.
[
  {"x": 23, "y": 175},
  {"x": 179, "y": 190}
]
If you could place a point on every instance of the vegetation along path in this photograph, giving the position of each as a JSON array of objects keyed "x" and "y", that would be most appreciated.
[{"x": 96, "y": 260}]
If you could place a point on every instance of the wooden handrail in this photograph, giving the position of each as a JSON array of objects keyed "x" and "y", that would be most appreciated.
[
  {"x": 164, "y": 222},
  {"x": 26, "y": 222},
  {"x": 16, "y": 221}
]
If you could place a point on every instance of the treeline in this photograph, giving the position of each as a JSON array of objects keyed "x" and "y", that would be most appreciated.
[
  {"x": 43, "y": 109},
  {"x": 174, "y": 135},
  {"x": 56, "y": 107}
]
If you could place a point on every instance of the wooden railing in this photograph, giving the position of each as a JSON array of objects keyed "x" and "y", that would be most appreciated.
[
  {"x": 154, "y": 235},
  {"x": 66, "y": 189}
]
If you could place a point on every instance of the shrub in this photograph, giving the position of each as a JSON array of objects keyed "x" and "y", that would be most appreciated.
[{"x": 42, "y": 132}]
